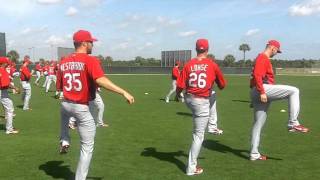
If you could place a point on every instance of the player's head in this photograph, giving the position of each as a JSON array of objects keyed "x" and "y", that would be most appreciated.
[
  {"x": 26, "y": 60},
  {"x": 4, "y": 61},
  {"x": 177, "y": 63},
  {"x": 83, "y": 40},
  {"x": 273, "y": 47},
  {"x": 202, "y": 46}
]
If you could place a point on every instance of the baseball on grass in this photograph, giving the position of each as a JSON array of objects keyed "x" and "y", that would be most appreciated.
[
  {"x": 146, "y": 93},
  {"x": 282, "y": 110}
]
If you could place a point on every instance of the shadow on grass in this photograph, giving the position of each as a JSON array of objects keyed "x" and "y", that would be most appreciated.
[
  {"x": 243, "y": 101},
  {"x": 216, "y": 146},
  {"x": 20, "y": 106},
  {"x": 2, "y": 127},
  {"x": 56, "y": 170},
  {"x": 166, "y": 156},
  {"x": 184, "y": 114}
]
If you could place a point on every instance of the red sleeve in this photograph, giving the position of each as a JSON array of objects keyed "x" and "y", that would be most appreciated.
[
  {"x": 26, "y": 72},
  {"x": 221, "y": 82},
  {"x": 59, "y": 81},
  {"x": 94, "y": 69},
  {"x": 181, "y": 81},
  {"x": 259, "y": 72},
  {"x": 175, "y": 72}
]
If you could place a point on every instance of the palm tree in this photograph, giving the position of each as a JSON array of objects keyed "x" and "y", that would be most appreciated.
[{"x": 244, "y": 48}]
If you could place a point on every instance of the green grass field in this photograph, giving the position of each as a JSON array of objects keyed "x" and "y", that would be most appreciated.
[{"x": 151, "y": 139}]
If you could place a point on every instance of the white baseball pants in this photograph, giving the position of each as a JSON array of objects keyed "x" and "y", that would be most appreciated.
[
  {"x": 8, "y": 108},
  {"x": 200, "y": 111},
  {"x": 213, "y": 117},
  {"x": 97, "y": 109},
  {"x": 87, "y": 130},
  {"x": 51, "y": 78},
  {"x": 38, "y": 74},
  {"x": 26, "y": 94},
  {"x": 274, "y": 92},
  {"x": 172, "y": 90}
]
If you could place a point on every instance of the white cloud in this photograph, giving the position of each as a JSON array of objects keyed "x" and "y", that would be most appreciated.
[
  {"x": 151, "y": 30},
  {"x": 48, "y": 2},
  {"x": 306, "y": 8},
  {"x": 168, "y": 22},
  {"x": 123, "y": 25},
  {"x": 174, "y": 22},
  {"x": 55, "y": 40},
  {"x": 252, "y": 32},
  {"x": 188, "y": 33},
  {"x": 26, "y": 31},
  {"x": 265, "y": 1},
  {"x": 146, "y": 45},
  {"x": 91, "y": 3},
  {"x": 72, "y": 11}
]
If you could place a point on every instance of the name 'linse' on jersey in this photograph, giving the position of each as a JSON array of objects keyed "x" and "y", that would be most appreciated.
[{"x": 198, "y": 67}]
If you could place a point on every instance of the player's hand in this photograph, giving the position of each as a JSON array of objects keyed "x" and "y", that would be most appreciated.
[
  {"x": 263, "y": 98},
  {"x": 129, "y": 97}
]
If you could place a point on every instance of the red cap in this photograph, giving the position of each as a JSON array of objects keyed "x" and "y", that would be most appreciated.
[
  {"x": 275, "y": 44},
  {"x": 202, "y": 44},
  {"x": 83, "y": 36},
  {"x": 4, "y": 60}
]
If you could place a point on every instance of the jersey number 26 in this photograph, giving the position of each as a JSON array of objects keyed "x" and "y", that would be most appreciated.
[{"x": 197, "y": 80}]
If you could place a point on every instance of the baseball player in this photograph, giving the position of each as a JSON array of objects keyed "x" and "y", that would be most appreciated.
[
  {"x": 45, "y": 73},
  {"x": 96, "y": 107},
  {"x": 78, "y": 76},
  {"x": 198, "y": 77},
  {"x": 51, "y": 75},
  {"x": 25, "y": 76},
  {"x": 174, "y": 75},
  {"x": 264, "y": 91},
  {"x": 38, "y": 70},
  {"x": 213, "y": 118},
  {"x": 4, "y": 96}
]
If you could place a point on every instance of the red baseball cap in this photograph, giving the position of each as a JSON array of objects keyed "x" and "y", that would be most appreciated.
[
  {"x": 276, "y": 44},
  {"x": 202, "y": 44},
  {"x": 4, "y": 60},
  {"x": 83, "y": 36}
]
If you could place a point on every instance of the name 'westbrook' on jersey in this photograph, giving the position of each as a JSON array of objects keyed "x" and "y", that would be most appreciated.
[{"x": 71, "y": 66}]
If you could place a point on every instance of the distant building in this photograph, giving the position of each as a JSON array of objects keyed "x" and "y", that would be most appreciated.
[
  {"x": 63, "y": 51},
  {"x": 169, "y": 58},
  {"x": 3, "y": 49}
]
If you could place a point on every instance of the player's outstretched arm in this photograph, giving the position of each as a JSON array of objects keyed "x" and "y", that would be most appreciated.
[{"x": 107, "y": 84}]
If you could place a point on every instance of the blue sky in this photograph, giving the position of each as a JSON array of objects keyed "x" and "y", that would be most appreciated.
[{"x": 129, "y": 28}]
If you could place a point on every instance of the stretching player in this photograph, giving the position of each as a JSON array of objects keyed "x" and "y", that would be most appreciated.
[
  {"x": 213, "y": 118},
  {"x": 5, "y": 100},
  {"x": 25, "y": 76},
  {"x": 45, "y": 73},
  {"x": 264, "y": 91},
  {"x": 51, "y": 75},
  {"x": 96, "y": 107},
  {"x": 78, "y": 76},
  {"x": 38, "y": 70},
  {"x": 174, "y": 75},
  {"x": 198, "y": 77}
]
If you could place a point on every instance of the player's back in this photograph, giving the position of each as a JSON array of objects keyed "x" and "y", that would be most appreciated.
[
  {"x": 200, "y": 76},
  {"x": 76, "y": 80}
]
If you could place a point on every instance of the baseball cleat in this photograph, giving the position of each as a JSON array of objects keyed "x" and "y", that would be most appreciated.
[
  {"x": 103, "y": 125},
  {"x": 298, "y": 128},
  {"x": 198, "y": 171},
  {"x": 64, "y": 147},
  {"x": 13, "y": 131},
  {"x": 216, "y": 131},
  {"x": 167, "y": 100},
  {"x": 260, "y": 158}
]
